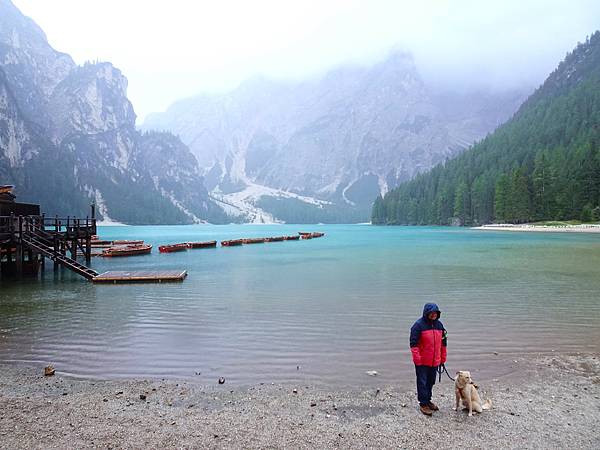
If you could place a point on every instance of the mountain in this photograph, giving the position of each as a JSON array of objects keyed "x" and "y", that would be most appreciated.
[
  {"x": 543, "y": 164},
  {"x": 323, "y": 149},
  {"x": 68, "y": 138}
]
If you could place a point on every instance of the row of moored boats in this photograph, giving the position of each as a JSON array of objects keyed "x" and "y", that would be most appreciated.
[
  {"x": 139, "y": 247},
  {"x": 295, "y": 237}
]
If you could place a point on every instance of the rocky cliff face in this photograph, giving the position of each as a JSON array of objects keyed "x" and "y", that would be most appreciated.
[
  {"x": 68, "y": 138},
  {"x": 330, "y": 143}
]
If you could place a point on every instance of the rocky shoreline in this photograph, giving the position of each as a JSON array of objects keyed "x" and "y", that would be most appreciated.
[{"x": 550, "y": 402}]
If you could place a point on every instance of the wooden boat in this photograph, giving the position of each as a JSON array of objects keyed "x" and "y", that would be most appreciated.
[
  {"x": 254, "y": 240},
  {"x": 304, "y": 233},
  {"x": 104, "y": 243},
  {"x": 128, "y": 242},
  {"x": 99, "y": 243},
  {"x": 306, "y": 236},
  {"x": 232, "y": 242},
  {"x": 207, "y": 244},
  {"x": 318, "y": 234},
  {"x": 291, "y": 238},
  {"x": 275, "y": 239},
  {"x": 171, "y": 248},
  {"x": 127, "y": 250}
]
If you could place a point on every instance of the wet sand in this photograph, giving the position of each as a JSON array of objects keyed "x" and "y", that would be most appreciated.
[{"x": 549, "y": 402}]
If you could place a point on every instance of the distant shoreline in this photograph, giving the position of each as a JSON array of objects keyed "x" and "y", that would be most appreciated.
[{"x": 583, "y": 228}]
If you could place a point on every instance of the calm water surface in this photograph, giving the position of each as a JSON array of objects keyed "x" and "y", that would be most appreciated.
[{"x": 336, "y": 306}]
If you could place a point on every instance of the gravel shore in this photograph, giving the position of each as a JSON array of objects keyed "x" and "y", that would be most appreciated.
[{"x": 549, "y": 402}]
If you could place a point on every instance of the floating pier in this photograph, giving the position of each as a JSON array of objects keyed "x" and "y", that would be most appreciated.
[{"x": 141, "y": 276}]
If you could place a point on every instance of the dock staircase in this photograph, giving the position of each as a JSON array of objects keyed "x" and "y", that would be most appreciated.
[{"x": 42, "y": 242}]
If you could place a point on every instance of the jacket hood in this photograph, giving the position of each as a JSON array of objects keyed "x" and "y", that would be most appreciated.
[{"x": 429, "y": 308}]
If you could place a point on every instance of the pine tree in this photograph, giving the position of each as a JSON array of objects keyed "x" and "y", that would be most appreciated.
[
  {"x": 501, "y": 199},
  {"x": 461, "y": 203},
  {"x": 519, "y": 209}
]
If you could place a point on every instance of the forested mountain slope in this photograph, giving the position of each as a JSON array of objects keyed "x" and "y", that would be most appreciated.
[{"x": 543, "y": 164}]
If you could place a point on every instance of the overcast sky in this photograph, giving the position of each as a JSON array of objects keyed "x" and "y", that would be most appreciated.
[{"x": 177, "y": 48}]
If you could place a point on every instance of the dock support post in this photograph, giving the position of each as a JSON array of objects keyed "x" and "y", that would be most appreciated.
[
  {"x": 19, "y": 260},
  {"x": 88, "y": 247}
]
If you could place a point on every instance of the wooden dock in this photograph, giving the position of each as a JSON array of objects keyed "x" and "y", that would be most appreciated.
[{"x": 142, "y": 276}]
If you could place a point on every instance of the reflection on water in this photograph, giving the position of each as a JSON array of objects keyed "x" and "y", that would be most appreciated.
[{"x": 336, "y": 306}]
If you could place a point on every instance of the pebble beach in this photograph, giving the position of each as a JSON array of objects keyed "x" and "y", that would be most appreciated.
[{"x": 549, "y": 401}]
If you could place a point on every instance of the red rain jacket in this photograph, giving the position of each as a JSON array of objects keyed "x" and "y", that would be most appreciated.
[{"x": 428, "y": 339}]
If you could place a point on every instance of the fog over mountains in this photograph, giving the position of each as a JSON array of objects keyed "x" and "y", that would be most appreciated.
[
  {"x": 68, "y": 138},
  {"x": 323, "y": 149},
  {"x": 320, "y": 150}
]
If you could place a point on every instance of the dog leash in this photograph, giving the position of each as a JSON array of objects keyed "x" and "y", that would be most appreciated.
[{"x": 441, "y": 369}]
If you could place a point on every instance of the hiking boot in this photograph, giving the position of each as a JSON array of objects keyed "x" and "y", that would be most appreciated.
[
  {"x": 433, "y": 407},
  {"x": 426, "y": 410}
]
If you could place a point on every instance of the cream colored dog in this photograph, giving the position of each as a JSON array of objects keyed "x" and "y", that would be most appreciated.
[{"x": 466, "y": 391}]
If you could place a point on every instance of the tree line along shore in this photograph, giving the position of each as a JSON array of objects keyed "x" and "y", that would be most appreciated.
[{"x": 543, "y": 164}]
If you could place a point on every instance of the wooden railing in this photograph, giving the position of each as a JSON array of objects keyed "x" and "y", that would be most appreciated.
[{"x": 69, "y": 227}]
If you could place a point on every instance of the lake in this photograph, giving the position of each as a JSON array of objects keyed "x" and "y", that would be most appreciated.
[{"x": 321, "y": 311}]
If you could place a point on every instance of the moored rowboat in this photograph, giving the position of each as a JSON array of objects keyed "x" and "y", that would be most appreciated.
[
  {"x": 318, "y": 234},
  {"x": 128, "y": 242},
  {"x": 291, "y": 238},
  {"x": 275, "y": 239},
  {"x": 254, "y": 240},
  {"x": 232, "y": 242},
  {"x": 127, "y": 250},
  {"x": 172, "y": 248},
  {"x": 207, "y": 244},
  {"x": 104, "y": 243}
]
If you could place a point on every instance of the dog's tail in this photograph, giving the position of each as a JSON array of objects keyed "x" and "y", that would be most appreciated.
[{"x": 487, "y": 404}]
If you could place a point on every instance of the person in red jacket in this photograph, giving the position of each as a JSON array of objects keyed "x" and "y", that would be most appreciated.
[{"x": 428, "y": 348}]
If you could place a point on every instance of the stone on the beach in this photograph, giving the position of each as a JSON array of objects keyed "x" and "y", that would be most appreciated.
[
  {"x": 313, "y": 404},
  {"x": 221, "y": 380},
  {"x": 49, "y": 371},
  {"x": 371, "y": 373},
  {"x": 295, "y": 391},
  {"x": 142, "y": 396}
]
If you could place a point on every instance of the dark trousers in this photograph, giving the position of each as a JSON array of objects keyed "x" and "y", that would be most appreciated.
[{"x": 425, "y": 381}]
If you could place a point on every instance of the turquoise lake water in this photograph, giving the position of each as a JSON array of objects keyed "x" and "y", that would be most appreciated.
[{"x": 322, "y": 311}]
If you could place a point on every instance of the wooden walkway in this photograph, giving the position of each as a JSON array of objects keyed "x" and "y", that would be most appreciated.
[{"x": 146, "y": 276}]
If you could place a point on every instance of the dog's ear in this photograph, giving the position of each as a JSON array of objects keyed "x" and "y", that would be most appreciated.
[{"x": 457, "y": 372}]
